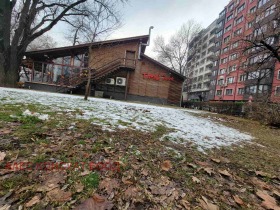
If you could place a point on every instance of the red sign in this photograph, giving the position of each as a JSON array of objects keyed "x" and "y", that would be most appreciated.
[{"x": 157, "y": 77}]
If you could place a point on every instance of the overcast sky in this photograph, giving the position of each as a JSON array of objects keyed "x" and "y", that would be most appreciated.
[{"x": 165, "y": 15}]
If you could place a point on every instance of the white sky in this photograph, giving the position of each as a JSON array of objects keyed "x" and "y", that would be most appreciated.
[{"x": 165, "y": 15}]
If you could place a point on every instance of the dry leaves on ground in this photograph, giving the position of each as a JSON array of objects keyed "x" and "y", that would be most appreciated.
[
  {"x": 58, "y": 195},
  {"x": 195, "y": 179},
  {"x": 97, "y": 202},
  {"x": 33, "y": 201},
  {"x": 207, "y": 205},
  {"x": 268, "y": 201},
  {"x": 2, "y": 155},
  {"x": 238, "y": 200},
  {"x": 166, "y": 165}
]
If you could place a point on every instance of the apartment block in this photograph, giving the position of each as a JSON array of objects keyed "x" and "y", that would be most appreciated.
[
  {"x": 222, "y": 66},
  {"x": 200, "y": 63},
  {"x": 217, "y": 50},
  {"x": 230, "y": 83}
]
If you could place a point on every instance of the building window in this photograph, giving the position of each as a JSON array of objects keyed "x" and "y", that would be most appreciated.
[
  {"x": 262, "y": 2},
  {"x": 227, "y": 28},
  {"x": 230, "y": 17},
  {"x": 235, "y": 45},
  {"x": 214, "y": 73},
  {"x": 254, "y": 89},
  {"x": 252, "y": 10},
  {"x": 233, "y": 56},
  {"x": 229, "y": 92},
  {"x": 219, "y": 92},
  {"x": 278, "y": 76},
  {"x": 224, "y": 60},
  {"x": 230, "y": 7},
  {"x": 230, "y": 80},
  {"x": 220, "y": 33},
  {"x": 270, "y": 10},
  {"x": 220, "y": 82},
  {"x": 225, "y": 49},
  {"x": 232, "y": 68},
  {"x": 250, "y": 25},
  {"x": 226, "y": 39},
  {"x": 277, "y": 91},
  {"x": 238, "y": 32},
  {"x": 242, "y": 77},
  {"x": 240, "y": 91},
  {"x": 239, "y": 20},
  {"x": 222, "y": 71},
  {"x": 242, "y": 7}
]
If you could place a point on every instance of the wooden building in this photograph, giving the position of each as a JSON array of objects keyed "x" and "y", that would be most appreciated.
[{"x": 119, "y": 70}]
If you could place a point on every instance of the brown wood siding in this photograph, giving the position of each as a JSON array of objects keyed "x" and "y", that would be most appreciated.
[
  {"x": 148, "y": 87},
  {"x": 105, "y": 54},
  {"x": 175, "y": 89}
]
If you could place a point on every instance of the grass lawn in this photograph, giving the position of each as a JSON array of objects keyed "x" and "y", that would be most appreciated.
[{"x": 145, "y": 170}]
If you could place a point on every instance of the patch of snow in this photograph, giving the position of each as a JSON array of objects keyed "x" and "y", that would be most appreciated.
[
  {"x": 35, "y": 114},
  {"x": 111, "y": 115}
]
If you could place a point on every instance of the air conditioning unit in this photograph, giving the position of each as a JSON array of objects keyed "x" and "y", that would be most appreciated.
[
  {"x": 120, "y": 81},
  {"x": 110, "y": 81}
]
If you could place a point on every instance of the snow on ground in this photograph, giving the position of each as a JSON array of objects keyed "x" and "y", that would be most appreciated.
[{"x": 112, "y": 114}]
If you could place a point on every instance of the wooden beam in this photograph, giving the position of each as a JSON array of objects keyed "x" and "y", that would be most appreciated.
[{"x": 126, "y": 86}]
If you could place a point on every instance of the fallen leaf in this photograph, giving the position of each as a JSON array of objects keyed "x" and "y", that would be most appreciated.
[
  {"x": 196, "y": 180},
  {"x": 186, "y": 204},
  {"x": 216, "y": 160},
  {"x": 166, "y": 165},
  {"x": 131, "y": 192},
  {"x": 238, "y": 200},
  {"x": 192, "y": 165},
  {"x": 51, "y": 181},
  {"x": 268, "y": 201},
  {"x": 5, "y": 131},
  {"x": 263, "y": 174},
  {"x": 2, "y": 155},
  {"x": 144, "y": 172},
  {"x": 261, "y": 184},
  {"x": 85, "y": 172},
  {"x": 225, "y": 173},
  {"x": 126, "y": 181},
  {"x": 209, "y": 171},
  {"x": 207, "y": 205},
  {"x": 202, "y": 163},
  {"x": 97, "y": 202},
  {"x": 109, "y": 184},
  {"x": 33, "y": 201},
  {"x": 59, "y": 196},
  {"x": 5, "y": 207},
  {"x": 79, "y": 187}
]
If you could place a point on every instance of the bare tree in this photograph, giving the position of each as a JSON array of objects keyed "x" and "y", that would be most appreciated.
[
  {"x": 174, "y": 53},
  {"x": 33, "y": 19},
  {"x": 265, "y": 24},
  {"x": 100, "y": 21},
  {"x": 261, "y": 49},
  {"x": 42, "y": 42}
]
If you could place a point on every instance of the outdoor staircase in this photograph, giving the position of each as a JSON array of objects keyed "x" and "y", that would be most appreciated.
[{"x": 76, "y": 81}]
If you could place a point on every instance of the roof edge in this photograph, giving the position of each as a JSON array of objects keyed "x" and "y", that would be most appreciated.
[{"x": 94, "y": 44}]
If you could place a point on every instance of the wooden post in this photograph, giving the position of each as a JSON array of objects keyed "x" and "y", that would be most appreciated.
[
  {"x": 88, "y": 87},
  {"x": 126, "y": 86}
]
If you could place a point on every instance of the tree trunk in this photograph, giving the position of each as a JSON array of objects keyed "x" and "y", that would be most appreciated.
[
  {"x": 9, "y": 70},
  {"x": 88, "y": 86}
]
